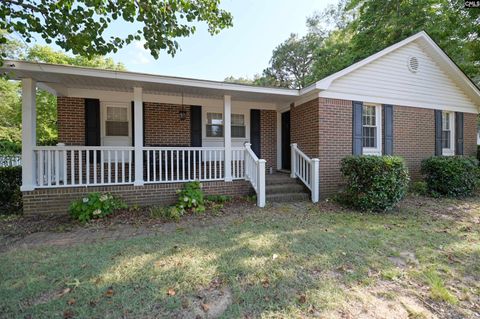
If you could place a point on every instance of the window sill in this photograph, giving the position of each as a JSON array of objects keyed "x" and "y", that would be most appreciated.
[
  {"x": 370, "y": 151},
  {"x": 448, "y": 152}
]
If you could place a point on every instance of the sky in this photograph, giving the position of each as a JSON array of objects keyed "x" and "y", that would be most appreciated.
[{"x": 242, "y": 50}]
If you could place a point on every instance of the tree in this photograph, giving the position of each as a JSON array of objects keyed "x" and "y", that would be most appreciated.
[
  {"x": 80, "y": 26},
  {"x": 370, "y": 26},
  {"x": 10, "y": 92},
  {"x": 292, "y": 60}
]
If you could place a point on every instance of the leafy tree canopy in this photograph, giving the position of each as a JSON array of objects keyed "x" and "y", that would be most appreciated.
[
  {"x": 355, "y": 29},
  {"x": 80, "y": 26},
  {"x": 10, "y": 92}
]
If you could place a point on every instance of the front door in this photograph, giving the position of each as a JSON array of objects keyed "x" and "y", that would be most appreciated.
[{"x": 286, "y": 140}]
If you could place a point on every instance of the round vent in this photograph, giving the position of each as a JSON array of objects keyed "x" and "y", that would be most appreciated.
[{"x": 413, "y": 64}]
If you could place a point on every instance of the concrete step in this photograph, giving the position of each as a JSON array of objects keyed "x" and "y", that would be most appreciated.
[
  {"x": 279, "y": 179},
  {"x": 287, "y": 197},
  {"x": 285, "y": 188}
]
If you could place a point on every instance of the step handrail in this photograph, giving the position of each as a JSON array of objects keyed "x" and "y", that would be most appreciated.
[
  {"x": 307, "y": 170},
  {"x": 255, "y": 173}
]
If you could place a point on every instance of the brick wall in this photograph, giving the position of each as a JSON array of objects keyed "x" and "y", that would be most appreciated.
[
  {"x": 470, "y": 134},
  {"x": 56, "y": 201},
  {"x": 335, "y": 142},
  {"x": 163, "y": 126},
  {"x": 268, "y": 137},
  {"x": 413, "y": 136},
  {"x": 305, "y": 127},
  {"x": 71, "y": 120}
]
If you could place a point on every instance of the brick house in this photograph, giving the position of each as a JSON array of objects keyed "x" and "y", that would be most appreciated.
[{"x": 409, "y": 100}]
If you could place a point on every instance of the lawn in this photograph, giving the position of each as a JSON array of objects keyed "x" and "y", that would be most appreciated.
[{"x": 286, "y": 261}]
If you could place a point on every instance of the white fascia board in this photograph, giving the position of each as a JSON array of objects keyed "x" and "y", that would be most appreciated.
[{"x": 142, "y": 77}]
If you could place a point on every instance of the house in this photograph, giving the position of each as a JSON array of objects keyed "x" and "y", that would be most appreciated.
[{"x": 140, "y": 136}]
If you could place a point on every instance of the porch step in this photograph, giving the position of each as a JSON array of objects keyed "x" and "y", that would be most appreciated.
[
  {"x": 285, "y": 188},
  {"x": 287, "y": 197},
  {"x": 280, "y": 187}
]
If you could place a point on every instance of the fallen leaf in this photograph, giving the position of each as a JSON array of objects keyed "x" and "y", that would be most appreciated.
[
  {"x": 302, "y": 298},
  {"x": 64, "y": 292},
  {"x": 109, "y": 293},
  {"x": 265, "y": 283},
  {"x": 205, "y": 307},
  {"x": 68, "y": 314},
  {"x": 171, "y": 292},
  {"x": 71, "y": 302}
]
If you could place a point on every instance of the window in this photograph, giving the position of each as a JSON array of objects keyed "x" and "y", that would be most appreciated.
[
  {"x": 116, "y": 123},
  {"x": 238, "y": 125},
  {"x": 371, "y": 126},
  {"x": 214, "y": 125},
  {"x": 447, "y": 133}
]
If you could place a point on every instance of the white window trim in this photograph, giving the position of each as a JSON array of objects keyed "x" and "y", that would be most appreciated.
[
  {"x": 449, "y": 151},
  {"x": 246, "y": 114},
  {"x": 103, "y": 117},
  {"x": 378, "y": 123}
]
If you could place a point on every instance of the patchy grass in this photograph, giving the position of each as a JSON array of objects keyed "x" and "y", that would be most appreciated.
[{"x": 291, "y": 260}]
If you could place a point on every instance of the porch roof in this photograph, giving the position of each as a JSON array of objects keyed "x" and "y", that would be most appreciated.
[{"x": 58, "y": 79}]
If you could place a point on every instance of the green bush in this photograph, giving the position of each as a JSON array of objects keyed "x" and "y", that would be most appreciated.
[
  {"x": 95, "y": 205},
  {"x": 10, "y": 194},
  {"x": 419, "y": 188},
  {"x": 190, "y": 198},
  {"x": 10, "y": 148},
  {"x": 451, "y": 176},
  {"x": 374, "y": 183}
]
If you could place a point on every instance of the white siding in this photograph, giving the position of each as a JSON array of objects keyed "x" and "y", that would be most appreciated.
[{"x": 388, "y": 80}]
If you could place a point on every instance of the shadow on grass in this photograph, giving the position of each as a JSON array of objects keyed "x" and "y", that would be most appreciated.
[{"x": 279, "y": 261}]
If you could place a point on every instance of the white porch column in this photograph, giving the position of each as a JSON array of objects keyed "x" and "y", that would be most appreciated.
[
  {"x": 29, "y": 134},
  {"x": 138, "y": 125},
  {"x": 227, "y": 136}
]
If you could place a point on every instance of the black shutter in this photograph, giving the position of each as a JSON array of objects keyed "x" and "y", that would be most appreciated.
[
  {"x": 388, "y": 129},
  {"x": 255, "y": 131},
  {"x": 458, "y": 133},
  {"x": 92, "y": 122},
  {"x": 357, "y": 142},
  {"x": 196, "y": 126},
  {"x": 438, "y": 132}
]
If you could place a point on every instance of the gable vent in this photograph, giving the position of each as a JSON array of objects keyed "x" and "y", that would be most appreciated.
[{"x": 413, "y": 64}]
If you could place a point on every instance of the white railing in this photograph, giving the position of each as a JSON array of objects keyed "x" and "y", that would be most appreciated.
[
  {"x": 307, "y": 170},
  {"x": 69, "y": 166},
  {"x": 255, "y": 173},
  {"x": 10, "y": 160},
  {"x": 183, "y": 164}
]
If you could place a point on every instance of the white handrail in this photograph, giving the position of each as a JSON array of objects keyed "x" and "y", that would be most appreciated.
[
  {"x": 307, "y": 170},
  {"x": 255, "y": 173}
]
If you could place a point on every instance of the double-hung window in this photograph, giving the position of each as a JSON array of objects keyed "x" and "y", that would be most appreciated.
[
  {"x": 372, "y": 129},
  {"x": 214, "y": 125},
  {"x": 448, "y": 133},
  {"x": 238, "y": 125},
  {"x": 116, "y": 123}
]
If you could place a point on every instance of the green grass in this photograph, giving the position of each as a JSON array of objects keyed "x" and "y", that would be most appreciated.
[{"x": 310, "y": 258}]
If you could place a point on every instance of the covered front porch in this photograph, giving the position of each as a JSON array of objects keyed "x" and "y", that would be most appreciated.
[{"x": 130, "y": 129}]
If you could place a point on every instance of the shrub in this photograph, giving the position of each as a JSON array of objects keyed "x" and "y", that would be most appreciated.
[
  {"x": 419, "y": 188},
  {"x": 10, "y": 194},
  {"x": 451, "y": 176},
  {"x": 374, "y": 183},
  {"x": 191, "y": 198},
  {"x": 95, "y": 205},
  {"x": 10, "y": 148}
]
